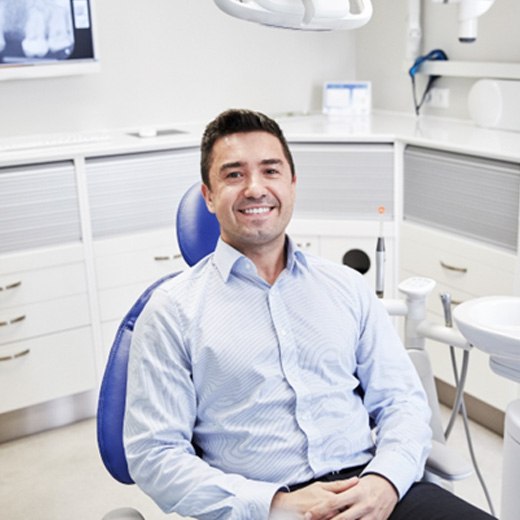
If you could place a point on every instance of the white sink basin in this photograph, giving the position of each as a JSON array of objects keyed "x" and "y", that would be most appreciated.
[{"x": 491, "y": 324}]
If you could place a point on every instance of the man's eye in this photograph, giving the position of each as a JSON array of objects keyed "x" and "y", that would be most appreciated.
[
  {"x": 233, "y": 175},
  {"x": 271, "y": 171}
]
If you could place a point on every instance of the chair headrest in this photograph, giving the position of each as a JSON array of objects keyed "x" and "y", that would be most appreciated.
[{"x": 197, "y": 229}]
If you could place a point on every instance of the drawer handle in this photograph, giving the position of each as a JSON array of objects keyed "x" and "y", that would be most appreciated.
[
  {"x": 165, "y": 258},
  {"x": 453, "y": 268},
  {"x": 18, "y": 319},
  {"x": 16, "y": 356},
  {"x": 10, "y": 286}
]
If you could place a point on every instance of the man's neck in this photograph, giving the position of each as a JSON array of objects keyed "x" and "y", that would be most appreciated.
[
  {"x": 269, "y": 266},
  {"x": 269, "y": 260}
]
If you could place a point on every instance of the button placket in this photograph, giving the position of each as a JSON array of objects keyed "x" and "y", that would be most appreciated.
[{"x": 290, "y": 366}]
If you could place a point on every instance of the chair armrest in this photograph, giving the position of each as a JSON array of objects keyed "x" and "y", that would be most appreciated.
[{"x": 448, "y": 464}]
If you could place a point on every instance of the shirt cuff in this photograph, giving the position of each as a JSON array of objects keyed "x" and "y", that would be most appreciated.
[
  {"x": 396, "y": 468},
  {"x": 258, "y": 496}
]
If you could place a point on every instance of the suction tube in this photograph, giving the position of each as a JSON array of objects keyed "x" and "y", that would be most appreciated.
[{"x": 460, "y": 405}]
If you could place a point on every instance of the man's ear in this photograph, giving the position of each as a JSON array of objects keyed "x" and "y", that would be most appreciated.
[{"x": 206, "y": 193}]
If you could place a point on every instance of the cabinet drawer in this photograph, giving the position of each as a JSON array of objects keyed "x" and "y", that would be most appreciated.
[
  {"x": 40, "y": 259},
  {"x": 46, "y": 368},
  {"x": 137, "y": 267},
  {"x": 38, "y": 319},
  {"x": 136, "y": 258},
  {"x": 458, "y": 263},
  {"x": 27, "y": 287},
  {"x": 157, "y": 238}
]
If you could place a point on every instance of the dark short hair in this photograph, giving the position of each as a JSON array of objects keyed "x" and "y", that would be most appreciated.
[{"x": 234, "y": 121}]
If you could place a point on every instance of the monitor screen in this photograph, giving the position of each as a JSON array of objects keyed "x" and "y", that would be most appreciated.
[{"x": 41, "y": 38}]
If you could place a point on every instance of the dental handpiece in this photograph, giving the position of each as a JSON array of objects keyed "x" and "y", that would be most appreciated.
[
  {"x": 380, "y": 267},
  {"x": 446, "y": 305},
  {"x": 380, "y": 257}
]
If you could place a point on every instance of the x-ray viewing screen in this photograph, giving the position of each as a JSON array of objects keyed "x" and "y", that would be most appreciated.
[{"x": 45, "y": 32}]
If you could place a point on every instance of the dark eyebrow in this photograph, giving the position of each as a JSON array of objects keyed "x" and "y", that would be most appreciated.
[
  {"x": 268, "y": 162},
  {"x": 231, "y": 165}
]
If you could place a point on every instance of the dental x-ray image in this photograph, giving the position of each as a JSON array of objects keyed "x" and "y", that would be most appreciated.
[{"x": 35, "y": 30}]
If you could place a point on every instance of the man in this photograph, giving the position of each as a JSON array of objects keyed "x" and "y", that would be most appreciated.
[{"x": 281, "y": 368}]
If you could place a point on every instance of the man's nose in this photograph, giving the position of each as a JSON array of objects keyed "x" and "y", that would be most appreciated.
[{"x": 255, "y": 187}]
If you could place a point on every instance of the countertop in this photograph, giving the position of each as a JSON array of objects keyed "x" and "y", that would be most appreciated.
[
  {"x": 380, "y": 127},
  {"x": 432, "y": 132}
]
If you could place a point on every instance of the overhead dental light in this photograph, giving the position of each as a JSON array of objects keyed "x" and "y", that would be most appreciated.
[
  {"x": 469, "y": 11},
  {"x": 307, "y": 15}
]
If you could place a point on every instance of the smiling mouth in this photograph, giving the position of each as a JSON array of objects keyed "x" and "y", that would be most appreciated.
[{"x": 256, "y": 211}]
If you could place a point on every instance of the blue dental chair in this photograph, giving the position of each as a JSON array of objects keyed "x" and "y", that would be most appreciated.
[{"x": 197, "y": 234}]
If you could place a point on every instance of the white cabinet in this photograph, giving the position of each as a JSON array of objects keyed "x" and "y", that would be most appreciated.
[
  {"x": 460, "y": 229},
  {"x": 79, "y": 242},
  {"x": 81, "y": 239},
  {"x": 133, "y": 201},
  {"x": 46, "y": 349}
]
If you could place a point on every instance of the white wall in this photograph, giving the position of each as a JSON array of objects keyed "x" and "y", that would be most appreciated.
[
  {"x": 381, "y": 49},
  {"x": 166, "y": 61}
]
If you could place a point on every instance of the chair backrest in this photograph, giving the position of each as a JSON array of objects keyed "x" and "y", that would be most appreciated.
[
  {"x": 197, "y": 229},
  {"x": 197, "y": 234}
]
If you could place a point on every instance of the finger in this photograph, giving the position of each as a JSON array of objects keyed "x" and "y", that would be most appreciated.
[
  {"x": 338, "y": 486},
  {"x": 329, "y": 507}
]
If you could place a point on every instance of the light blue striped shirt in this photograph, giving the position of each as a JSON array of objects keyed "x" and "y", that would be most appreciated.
[{"x": 275, "y": 385}]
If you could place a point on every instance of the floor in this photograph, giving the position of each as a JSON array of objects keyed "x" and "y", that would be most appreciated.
[{"x": 57, "y": 475}]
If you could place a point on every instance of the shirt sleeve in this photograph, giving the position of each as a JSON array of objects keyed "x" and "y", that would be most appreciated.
[
  {"x": 395, "y": 399},
  {"x": 158, "y": 427}
]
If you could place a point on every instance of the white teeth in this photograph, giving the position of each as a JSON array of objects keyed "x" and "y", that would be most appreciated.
[{"x": 255, "y": 211}]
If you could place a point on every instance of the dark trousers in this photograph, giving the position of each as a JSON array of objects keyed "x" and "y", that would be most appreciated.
[{"x": 424, "y": 501}]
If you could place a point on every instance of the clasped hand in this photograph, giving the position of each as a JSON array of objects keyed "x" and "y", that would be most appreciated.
[{"x": 368, "y": 498}]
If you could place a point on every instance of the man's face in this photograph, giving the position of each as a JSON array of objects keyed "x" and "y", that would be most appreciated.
[{"x": 252, "y": 190}]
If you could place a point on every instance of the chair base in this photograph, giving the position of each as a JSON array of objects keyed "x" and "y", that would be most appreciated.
[{"x": 124, "y": 513}]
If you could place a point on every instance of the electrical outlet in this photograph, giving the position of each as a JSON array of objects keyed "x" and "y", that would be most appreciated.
[{"x": 438, "y": 98}]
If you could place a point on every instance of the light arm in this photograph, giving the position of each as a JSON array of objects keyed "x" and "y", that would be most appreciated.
[{"x": 306, "y": 15}]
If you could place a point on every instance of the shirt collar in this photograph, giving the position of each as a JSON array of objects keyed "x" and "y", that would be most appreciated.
[{"x": 226, "y": 257}]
